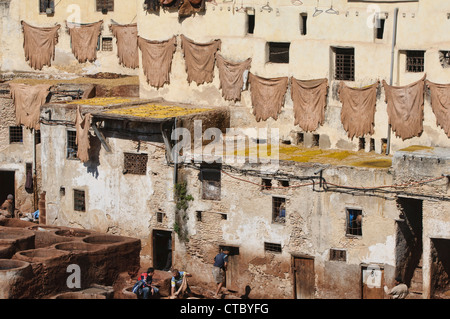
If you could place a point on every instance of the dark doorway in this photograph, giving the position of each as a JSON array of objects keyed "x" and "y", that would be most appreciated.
[
  {"x": 409, "y": 242},
  {"x": 162, "y": 249},
  {"x": 440, "y": 268},
  {"x": 232, "y": 273},
  {"x": 7, "y": 185}
]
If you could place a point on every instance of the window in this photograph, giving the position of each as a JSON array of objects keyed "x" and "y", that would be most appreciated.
[
  {"x": 415, "y": 61},
  {"x": 159, "y": 217},
  {"x": 383, "y": 145},
  {"x": 344, "y": 64},
  {"x": 72, "y": 147},
  {"x": 199, "y": 215},
  {"x": 362, "y": 144},
  {"x": 37, "y": 137},
  {"x": 15, "y": 134},
  {"x": 46, "y": 6},
  {"x": 278, "y": 210},
  {"x": 303, "y": 19},
  {"x": 135, "y": 163},
  {"x": 105, "y": 6},
  {"x": 444, "y": 58},
  {"x": 79, "y": 203},
  {"x": 338, "y": 255},
  {"x": 379, "y": 28},
  {"x": 279, "y": 52},
  {"x": 266, "y": 184},
  {"x": 210, "y": 175},
  {"x": 315, "y": 140},
  {"x": 284, "y": 183},
  {"x": 372, "y": 145},
  {"x": 272, "y": 247},
  {"x": 354, "y": 222},
  {"x": 251, "y": 23},
  {"x": 107, "y": 44},
  {"x": 300, "y": 138}
]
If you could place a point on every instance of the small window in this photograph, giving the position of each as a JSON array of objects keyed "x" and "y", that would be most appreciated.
[
  {"x": 251, "y": 23},
  {"x": 354, "y": 222},
  {"x": 107, "y": 44},
  {"x": 315, "y": 140},
  {"x": 444, "y": 58},
  {"x": 372, "y": 145},
  {"x": 279, "y": 210},
  {"x": 15, "y": 134},
  {"x": 210, "y": 175},
  {"x": 284, "y": 183},
  {"x": 159, "y": 217},
  {"x": 272, "y": 247},
  {"x": 344, "y": 64},
  {"x": 383, "y": 145},
  {"x": 415, "y": 61},
  {"x": 379, "y": 28},
  {"x": 46, "y": 6},
  {"x": 338, "y": 255},
  {"x": 266, "y": 184},
  {"x": 79, "y": 200},
  {"x": 300, "y": 138},
  {"x": 279, "y": 52},
  {"x": 233, "y": 250},
  {"x": 72, "y": 147},
  {"x": 105, "y": 6},
  {"x": 199, "y": 215},
  {"x": 362, "y": 144},
  {"x": 37, "y": 136},
  {"x": 135, "y": 163},
  {"x": 303, "y": 20}
]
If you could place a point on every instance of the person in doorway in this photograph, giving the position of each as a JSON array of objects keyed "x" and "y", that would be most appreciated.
[
  {"x": 8, "y": 207},
  {"x": 219, "y": 269},
  {"x": 179, "y": 283},
  {"x": 145, "y": 289},
  {"x": 400, "y": 291}
]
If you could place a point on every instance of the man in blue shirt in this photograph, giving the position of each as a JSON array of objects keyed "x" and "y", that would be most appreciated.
[{"x": 219, "y": 268}]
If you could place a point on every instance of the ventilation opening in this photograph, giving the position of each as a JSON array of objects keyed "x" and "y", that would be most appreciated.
[
  {"x": 315, "y": 140},
  {"x": 279, "y": 52},
  {"x": 251, "y": 23},
  {"x": 300, "y": 138},
  {"x": 338, "y": 255},
  {"x": 362, "y": 144},
  {"x": 380, "y": 28},
  {"x": 372, "y": 145},
  {"x": 266, "y": 184},
  {"x": 272, "y": 247},
  {"x": 303, "y": 20}
]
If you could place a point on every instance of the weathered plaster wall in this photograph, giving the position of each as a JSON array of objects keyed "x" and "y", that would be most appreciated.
[
  {"x": 82, "y": 11},
  {"x": 310, "y": 57}
]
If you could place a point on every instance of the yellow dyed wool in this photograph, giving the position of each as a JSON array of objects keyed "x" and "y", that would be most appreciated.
[
  {"x": 157, "y": 111},
  {"x": 102, "y": 101}
]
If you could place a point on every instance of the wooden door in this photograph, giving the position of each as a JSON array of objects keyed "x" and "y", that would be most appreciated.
[
  {"x": 372, "y": 283},
  {"x": 304, "y": 282},
  {"x": 232, "y": 273}
]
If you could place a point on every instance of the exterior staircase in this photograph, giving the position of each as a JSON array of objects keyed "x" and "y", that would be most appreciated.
[{"x": 416, "y": 285}]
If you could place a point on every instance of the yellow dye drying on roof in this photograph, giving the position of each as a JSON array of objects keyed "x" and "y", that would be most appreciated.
[
  {"x": 314, "y": 155},
  {"x": 157, "y": 111},
  {"x": 414, "y": 148},
  {"x": 102, "y": 101}
]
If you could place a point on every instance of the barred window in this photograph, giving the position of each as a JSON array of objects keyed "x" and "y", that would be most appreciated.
[
  {"x": 210, "y": 176},
  {"x": 354, "y": 222},
  {"x": 107, "y": 44},
  {"x": 72, "y": 147},
  {"x": 338, "y": 255},
  {"x": 279, "y": 52},
  {"x": 105, "y": 6},
  {"x": 79, "y": 200},
  {"x": 272, "y": 247},
  {"x": 15, "y": 134},
  {"x": 415, "y": 61},
  {"x": 344, "y": 64},
  {"x": 279, "y": 210},
  {"x": 135, "y": 163},
  {"x": 46, "y": 6}
]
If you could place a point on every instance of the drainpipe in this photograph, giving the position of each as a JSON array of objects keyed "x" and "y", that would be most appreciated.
[
  {"x": 175, "y": 161},
  {"x": 35, "y": 187},
  {"x": 394, "y": 39}
]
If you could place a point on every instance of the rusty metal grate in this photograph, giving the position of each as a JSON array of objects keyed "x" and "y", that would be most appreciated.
[
  {"x": 345, "y": 64},
  {"x": 279, "y": 209},
  {"x": 272, "y": 247},
  {"x": 354, "y": 222},
  {"x": 415, "y": 61},
  {"x": 107, "y": 44},
  {"x": 338, "y": 255},
  {"x": 15, "y": 134},
  {"x": 105, "y": 5},
  {"x": 135, "y": 163},
  {"x": 79, "y": 200}
]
